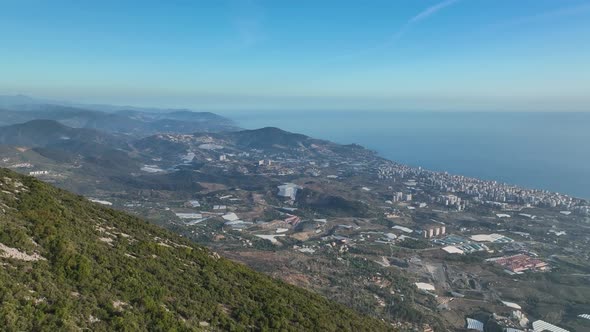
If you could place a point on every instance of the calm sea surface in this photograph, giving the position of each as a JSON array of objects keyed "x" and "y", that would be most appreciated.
[{"x": 536, "y": 150}]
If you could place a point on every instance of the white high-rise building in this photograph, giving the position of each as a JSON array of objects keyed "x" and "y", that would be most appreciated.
[{"x": 288, "y": 190}]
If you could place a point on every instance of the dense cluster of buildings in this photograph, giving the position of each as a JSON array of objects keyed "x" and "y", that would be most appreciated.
[
  {"x": 452, "y": 201},
  {"x": 479, "y": 191}
]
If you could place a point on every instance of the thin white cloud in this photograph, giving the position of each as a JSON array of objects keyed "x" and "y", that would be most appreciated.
[
  {"x": 548, "y": 15},
  {"x": 421, "y": 16},
  {"x": 247, "y": 19},
  {"x": 426, "y": 13}
]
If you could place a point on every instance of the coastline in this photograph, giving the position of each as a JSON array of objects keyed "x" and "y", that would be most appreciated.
[{"x": 479, "y": 145}]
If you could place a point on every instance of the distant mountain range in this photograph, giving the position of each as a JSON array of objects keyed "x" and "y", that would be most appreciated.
[
  {"x": 28, "y": 103},
  {"x": 135, "y": 121}
]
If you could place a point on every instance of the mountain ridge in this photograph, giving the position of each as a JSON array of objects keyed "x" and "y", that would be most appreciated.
[{"x": 43, "y": 132}]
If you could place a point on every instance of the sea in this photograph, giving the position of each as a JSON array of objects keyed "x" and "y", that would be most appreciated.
[{"x": 540, "y": 150}]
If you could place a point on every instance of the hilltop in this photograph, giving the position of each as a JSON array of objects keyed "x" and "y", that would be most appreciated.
[
  {"x": 69, "y": 264},
  {"x": 268, "y": 137}
]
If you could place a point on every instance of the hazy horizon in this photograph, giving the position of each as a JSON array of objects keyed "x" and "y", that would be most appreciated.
[
  {"x": 229, "y": 111},
  {"x": 334, "y": 55}
]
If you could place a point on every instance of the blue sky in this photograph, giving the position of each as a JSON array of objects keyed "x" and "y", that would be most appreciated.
[{"x": 224, "y": 55}]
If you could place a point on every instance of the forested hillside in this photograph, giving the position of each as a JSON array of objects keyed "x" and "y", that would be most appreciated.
[{"x": 67, "y": 264}]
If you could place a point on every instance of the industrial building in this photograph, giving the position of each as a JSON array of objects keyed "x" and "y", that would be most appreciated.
[{"x": 520, "y": 263}]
